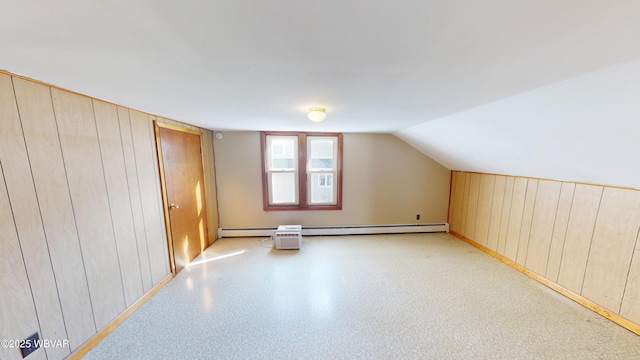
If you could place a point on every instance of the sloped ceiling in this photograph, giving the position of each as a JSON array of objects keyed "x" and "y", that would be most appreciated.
[
  {"x": 584, "y": 129},
  {"x": 483, "y": 85}
]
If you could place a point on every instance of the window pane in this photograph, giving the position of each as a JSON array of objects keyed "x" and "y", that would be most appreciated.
[
  {"x": 321, "y": 164},
  {"x": 282, "y": 164},
  {"x": 277, "y": 148},
  {"x": 321, "y": 147},
  {"x": 321, "y": 189},
  {"x": 282, "y": 153},
  {"x": 283, "y": 188},
  {"x": 322, "y": 151}
]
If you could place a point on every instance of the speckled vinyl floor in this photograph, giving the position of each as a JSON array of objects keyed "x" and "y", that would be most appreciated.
[{"x": 418, "y": 296}]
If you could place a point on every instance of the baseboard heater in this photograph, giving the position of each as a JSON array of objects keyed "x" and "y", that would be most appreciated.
[{"x": 339, "y": 230}]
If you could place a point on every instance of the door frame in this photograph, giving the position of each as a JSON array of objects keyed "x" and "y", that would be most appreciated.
[{"x": 163, "y": 185}]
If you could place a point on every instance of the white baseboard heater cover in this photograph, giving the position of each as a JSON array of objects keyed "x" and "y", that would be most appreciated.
[{"x": 339, "y": 230}]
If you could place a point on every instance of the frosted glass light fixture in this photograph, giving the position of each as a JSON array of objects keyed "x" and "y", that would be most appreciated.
[{"x": 317, "y": 114}]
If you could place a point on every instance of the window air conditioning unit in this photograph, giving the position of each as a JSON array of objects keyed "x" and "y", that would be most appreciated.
[{"x": 287, "y": 237}]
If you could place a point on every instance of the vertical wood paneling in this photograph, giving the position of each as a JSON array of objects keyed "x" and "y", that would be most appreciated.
[
  {"x": 119, "y": 201},
  {"x": 559, "y": 230},
  {"x": 506, "y": 213},
  {"x": 584, "y": 210},
  {"x": 485, "y": 202},
  {"x": 17, "y": 312},
  {"x": 614, "y": 239},
  {"x": 27, "y": 220},
  {"x": 584, "y": 238},
  {"x": 135, "y": 197},
  {"x": 465, "y": 203},
  {"x": 631, "y": 298},
  {"x": 496, "y": 213},
  {"x": 515, "y": 218},
  {"x": 452, "y": 198},
  {"x": 472, "y": 209},
  {"x": 459, "y": 186},
  {"x": 149, "y": 188},
  {"x": 79, "y": 198},
  {"x": 542, "y": 224},
  {"x": 527, "y": 217},
  {"x": 210, "y": 180},
  {"x": 47, "y": 167},
  {"x": 82, "y": 159}
]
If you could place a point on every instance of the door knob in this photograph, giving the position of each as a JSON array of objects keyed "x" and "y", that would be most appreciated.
[{"x": 174, "y": 206}]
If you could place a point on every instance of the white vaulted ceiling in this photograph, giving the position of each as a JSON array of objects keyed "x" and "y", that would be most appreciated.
[
  {"x": 583, "y": 129},
  {"x": 529, "y": 87}
]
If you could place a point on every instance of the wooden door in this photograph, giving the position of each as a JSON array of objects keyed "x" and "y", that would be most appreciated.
[{"x": 184, "y": 194}]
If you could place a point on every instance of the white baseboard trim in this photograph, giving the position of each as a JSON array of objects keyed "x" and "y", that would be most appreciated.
[{"x": 339, "y": 230}]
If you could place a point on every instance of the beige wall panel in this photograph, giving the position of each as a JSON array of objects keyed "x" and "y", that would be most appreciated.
[
  {"x": 154, "y": 224},
  {"x": 496, "y": 212},
  {"x": 385, "y": 181},
  {"x": 456, "y": 202},
  {"x": 527, "y": 217},
  {"x": 47, "y": 167},
  {"x": 485, "y": 203},
  {"x": 465, "y": 203},
  {"x": 119, "y": 200},
  {"x": 18, "y": 313},
  {"x": 28, "y": 223},
  {"x": 82, "y": 159},
  {"x": 135, "y": 197},
  {"x": 472, "y": 208},
  {"x": 515, "y": 218},
  {"x": 630, "y": 308},
  {"x": 506, "y": 212},
  {"x": 614, "y": 239},
  {"x": 544, "y": 216},
  {"x": 560, "y": 230},
  {"x": 460, "y": 212},
  {"x": 452, "y": 198},
  {"x": 584, "y": 210}
]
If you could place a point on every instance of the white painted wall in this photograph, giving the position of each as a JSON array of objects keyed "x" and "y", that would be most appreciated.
[{"x": 584, "y": 129}]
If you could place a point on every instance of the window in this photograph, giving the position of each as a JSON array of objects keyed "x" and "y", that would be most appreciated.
[
  {"x": 301, "y": 171},
  {"x": 325, "y": 180}
]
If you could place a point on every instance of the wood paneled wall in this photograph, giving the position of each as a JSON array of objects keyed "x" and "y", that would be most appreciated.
[
  {"x": 83, "y": 232},
  {"x": 581, "y": 238}
]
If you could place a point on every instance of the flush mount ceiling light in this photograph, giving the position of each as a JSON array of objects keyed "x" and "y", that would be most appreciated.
[{"x": 316, "y": 114}]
